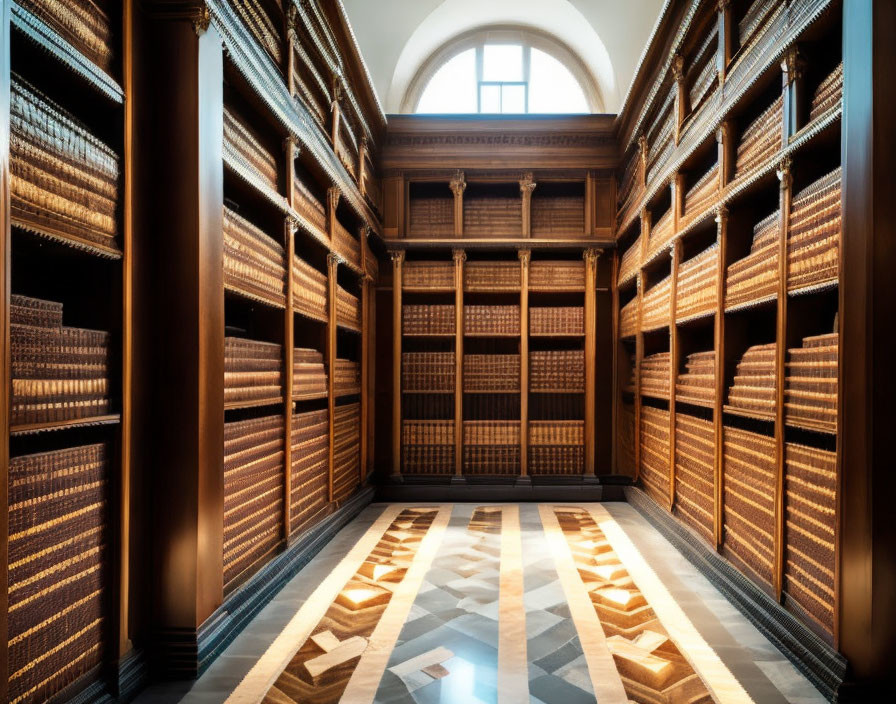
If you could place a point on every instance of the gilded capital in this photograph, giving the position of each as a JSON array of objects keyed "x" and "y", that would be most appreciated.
[
  {"x": 678, "y": 68},
  {"x": 334, "y": 260},
  {"x": 527, "y": 184},
  {"x": 459, "y": 255},
  {"x": 397, "y": 256},
  {"x": 525, "y": 256},
  {"x": 333, "y": 196},
  {"x": 591, "y": 255},
  {"x": 792, "y": 65},
  {"x": 721, "y": 214},
  {"x": 785, "y": 176},
  {"x": 457, "y": 184}
]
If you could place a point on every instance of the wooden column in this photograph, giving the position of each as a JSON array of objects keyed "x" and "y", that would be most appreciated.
[
  {"x": 525, "y": 257},
  {"x": 719, "y": 335},
  {"x": 397, "y": 262},
  {"x": 527, "y": 185},
  {"x": 676, "y": 184},
  {"x": 591, "y": 215},
  {"x": 333, "y": 262},
  {"x": 726, "y": 39},
  {"x": 792, "y": 69},
  {"x": 460, "y": 256},
  {"x": 726, "y": 153},
  {"x": 362, "y": 164},
  {"x": 335, "y": 111},
  {"x": 289, "y": 234},
  {"x": 681, "y": 94},
  {"x": 642, "y": 161},
  {"x": 590, "y": 256},
  {"x": 366, "y": 278},
  {"x": 786, "y": 182},
  {"x": 675, "y": 254},
  {"x": 333, "y": 197},
  {"x": 639, "y": 358},
  {"x": 458, "y": 185}
]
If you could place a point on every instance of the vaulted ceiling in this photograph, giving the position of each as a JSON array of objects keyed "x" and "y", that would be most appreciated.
[{"x": 397, "y": 36}]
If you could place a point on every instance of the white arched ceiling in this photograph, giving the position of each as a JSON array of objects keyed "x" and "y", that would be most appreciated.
[{"x": 397, "y": 36}]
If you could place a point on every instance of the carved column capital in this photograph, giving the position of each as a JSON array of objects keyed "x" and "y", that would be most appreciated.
[
  {"x": 292, "y": 223},
  {"x": 591, "y": 255},
  {"x": 333, "y": 196},
  {"x": 527, "y": 184},
  {"x": 292, "y": 21},
  {"x": 397, "y": 256},
  {"x": 678, "y": 68},
  {"x": 457, "y": 184},
  {"x": 458, "y": 255},
  {"x": 334, "y": 260},
  {"x": 642, "y": 147},
  {"x": 364, "y": 231},
  {"x": 792, "y": 65},
  {"x": 722, "y": 5},
  {"x": 723, "y": 132},
  {"x": 337, "y": 90},
  {"x": 525, "y": 257},
  {"x": 721, "y": 214},
  {"x": 291, "y": 141},
  {"x": 194, "y": 11},
  {"x": 785, "y": 175}
]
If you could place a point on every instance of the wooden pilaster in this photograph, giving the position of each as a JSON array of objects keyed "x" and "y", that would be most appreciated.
[
  {"x": 459, "y": 258},
  {"x": 397, "y": 262},
  {"x": 590, "y": 256},
  {"x": 525, "y": 257},
  {"x": 458, "y": 185},
  {"x": 333, "y": 262},
  {"x": 527, "y": 185},
  {"x": 719, "y": 336},
  {"x": 675, "y": 254}
]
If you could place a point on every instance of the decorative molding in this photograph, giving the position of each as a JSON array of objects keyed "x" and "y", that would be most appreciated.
[
  {"x": 525, "y": 257},
  {"x": 591, "y": 255},
  {"x": 397, "y": 256},
  {"x": 334, "y": 260},
  {"x": 333, "y": 196},
  {"x": 527, "y": 184},
  {"x": 540, "y": 140},
  {"x": 458, "y": 255},
  {"x": 458, "y": 184},
  {"x": 677, "y": 68},
  {"x": 784, "y": 171},
  {"x": 721, "y": 214},
  {"x": 792, "y": 65}
]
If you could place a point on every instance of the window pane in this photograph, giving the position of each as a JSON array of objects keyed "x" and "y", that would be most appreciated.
[
  {"x": 513, "y": 98},
  {"x": 502, "y": 62},
  {"x": 453, "y": 87},
  {"x": 489, "y": 98},
  {"x": 552, "y": 87}
]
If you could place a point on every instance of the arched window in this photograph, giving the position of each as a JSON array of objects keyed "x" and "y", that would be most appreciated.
[{"x": 503, "y": 71}]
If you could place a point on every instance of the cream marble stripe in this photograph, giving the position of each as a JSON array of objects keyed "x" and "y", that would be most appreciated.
[
  {"x": 605, "y": 680},
  {"x": 268, "y": 668},
  {"x": 706, "y": 663},
  {"x": 513, "y": 669},
  {"x": 365, "y": 680}
]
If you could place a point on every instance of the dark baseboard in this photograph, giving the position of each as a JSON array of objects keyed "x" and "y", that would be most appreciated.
[
  {"x": 131, "y": 675},
  {"x": 187, "y": 654},
  {"x": 816, "y": 659},
  {"x": 486, "y": 489}
]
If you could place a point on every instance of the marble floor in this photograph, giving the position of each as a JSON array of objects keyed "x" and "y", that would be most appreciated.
[{"x": 505, "y": 603}]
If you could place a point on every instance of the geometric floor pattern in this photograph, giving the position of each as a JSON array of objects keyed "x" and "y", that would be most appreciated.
[{"x": 498, "y": 604}]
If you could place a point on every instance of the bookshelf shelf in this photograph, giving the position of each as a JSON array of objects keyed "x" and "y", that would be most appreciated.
[{"x": 51, "y": 426}]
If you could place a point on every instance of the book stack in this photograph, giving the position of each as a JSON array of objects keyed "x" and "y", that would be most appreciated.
[
  {"x": 697, "y": 384},
  {"x": 628, "y": 318},
  {"x": 348, "y": 309},
  {"x": 308, "y": 86},
  {"x": 755, "y": 277},
  {"x": 628, "y": 185},
  {"x": 427, "y": 446},
  {"x": 82, "y": 23},
  {"x": 346, "y": 450},
  {"x": 749, "y": 501},
  {"x": 661, "y": 148},
  {"x": 630, "y": 385},
  {"x": 347, "y": 377},
  {"x": 556, "y": 447},
  {"x": 655, "y": 475},
  {"x": 626, "y": 439},
  {"x": 492, "y": 320},
  {"x": 493, "y": 216},
  {"x": 58, "y": 568},
  {"x": 702, "y": 194},
  {"x": 57, "y": 373},
  {"x": 265, "y": 29},
  {"x": 432, "y": 217},
  {"x": 492, "y": 276},
  {"x": 761, "y": 139},
  {"x": 753, "y": 389},
  {"x": 242, "y": 144},
  {"x": 253, "y": 493},
  {"x": 254, "y": 264},
  {"x": 655, "y": 375},
  {"x": 560, "y": 320},
  {"x": 310, "y": 476},
  {"x": 630, "y": 262},
  {"x": 697, "y": 285},
  {"x": 253, "y": 371},
  {"x": 557, "y": 371},
  {"x": 810, "y": 500},
  {"x": 810, "y": 387},
  {"x": 428, "y": 275},
  {"x": 427, "y": 371},
  {"x": 492, "y": 372},
  {"x": 752, "y": 20},
  {"x": 558, "y": 215},
  {"x": 346, "y": 245},
  {"x": 660, "y": 234},
  {"x": 310, "y": 290},
  {"x": 828, "y": 95},
  {"x": 491, "y": 447},
  {"x": 813, "y": 243},
  {"x": 63, "y": 181},
  {"x": 556, "y": 276},
  {"x": 655, "y": 309},
  {"x": 695, "y": 473},
  {"x": 308, "y": 206},
  {"x": 347, "y": 148},
  {"x": 309, "y": 376},
  {"x": 427, "y": 319},
  {"x": 706, "y": 75}
]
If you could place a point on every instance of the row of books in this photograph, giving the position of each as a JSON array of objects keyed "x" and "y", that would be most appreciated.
[
  {"x": 309, "y": 87},
  {"x": 696, "y": 384},
  {"x": 346, "y": 147},
  {"x": 661, "y": 146},
  {"x": 761, "y": 139},
  {"x": 348, "y": 309},
  {"x": 545, "y": 433},
  {"x": 557, "y": 276},
  {"x": 243, "y": 144},
  {"x": 253, "y": 371},
  {"x": 630, "y": 262},
  {"x": 254, "y": 264},
  {"x": 346, "y": 244},
  {"x": 428, "y": 371},
  {"x": 697, "y": 289},
  {"x": 701, "y": 195},
  {"x": 703, "y": 77},
  {"x": 828, "y": 95},
  {"x": 308, "y": 206},
  {"x": 813, "y": 242},
  {"x": 486, "y": 215},
  {"x": 558, "y": 371},
  {"x": 629, "y": 318},
  {"x": 755, "y": 277},
  {"x": 82, "y": 23},
  {"x": 491, "y": 372},
  {"x": 654, "y": 440},
  {"x": 492, "y": 320},
  {"x": 64, "y": 182},
  {"x": 655, "y": 305},
  {"x": 347, "y": 377},
  {"x": 661, "y": 233},
  {"x": 556, "y": 459},
  {"x": 427, "y": 319},
  {"x": 492, "y": 276},
  {"x": 310, "y": 290},
  {"x": 309, "y": 476},
  {"x": 695, "y": 473},
  {"x": 557, "y": 215},
  {"x": 253, "y": 493},
  {"x": 309, "y": 373},
  {"x": 753, "y": 388},
  {"x": 58, "y": 568},
  {"x": 559, "y": 320},
  {"x": 57, "y": 373},
  {"x": 346, "y": 452},
  {"x": 752, "y": 20},
  {"x": 428, "y": 275},
  {"x": 433, "y": 217},
  {"x": 655, "y": 375},
  {"x": 266, "y": 29},
  {"x": 626, "y": 439},
  {"x": 810, "y": 387},
  {"x": 748, "y": 509},
  {"x": 427, "y": 446}
]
